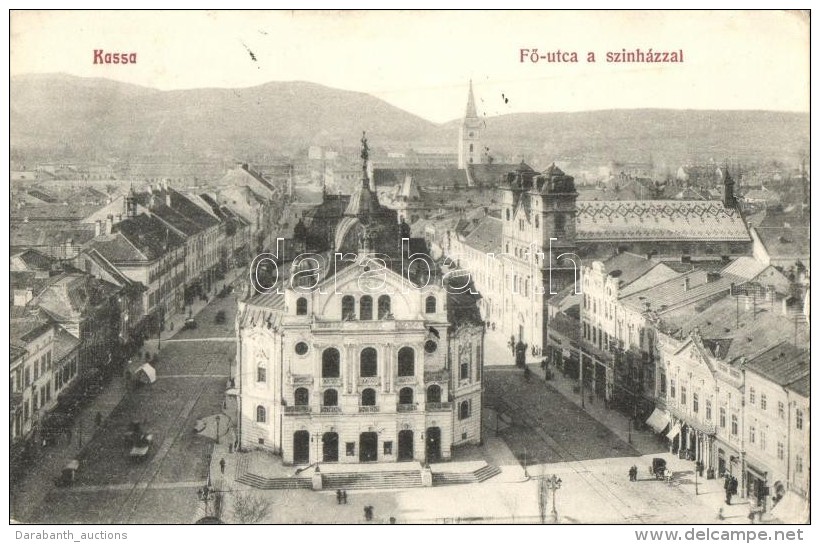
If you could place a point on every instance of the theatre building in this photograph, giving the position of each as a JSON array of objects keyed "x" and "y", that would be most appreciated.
[{"x": 361, "y": 361}]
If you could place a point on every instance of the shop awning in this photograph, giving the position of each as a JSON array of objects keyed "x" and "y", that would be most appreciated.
[
  {"x": 792, "y": 508},
  {"x": 659, "y": 420},
  {"x": 674, "y": 432},
  {"x": 146, "y": 374}
]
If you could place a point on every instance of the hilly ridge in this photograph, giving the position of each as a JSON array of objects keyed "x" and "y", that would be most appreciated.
[{"x": 99, "y": 118}]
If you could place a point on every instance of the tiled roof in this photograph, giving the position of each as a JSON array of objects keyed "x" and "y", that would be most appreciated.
[
  {"x": 73, "y": 294},
  {"x": 801, "y": 386},
  {"x": 658, "y": 220},
  {"x": 32, "y": 259},
  {"x": 486, "y": 237},
  {"x": 786, "y": 242},
  {"x": 41, "y": 234},
  {"x": 64, "y": 343},
  {"x": 783, "y": 364},
  {"x": 745, "y": 267},
  {"x": 148, "y": 235},
  {"x": 109, "y": 268}
]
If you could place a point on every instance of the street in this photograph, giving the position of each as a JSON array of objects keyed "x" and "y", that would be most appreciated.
[{"x": 192, "y": 371}]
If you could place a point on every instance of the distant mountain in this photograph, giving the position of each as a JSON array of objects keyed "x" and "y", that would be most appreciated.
[
  {"x": 98, "y": 118},
  {"x": 118, "y": 119},
  {"x": 664, "y": 136}
]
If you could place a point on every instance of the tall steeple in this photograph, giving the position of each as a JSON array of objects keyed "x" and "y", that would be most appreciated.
[
  {"x": 470, "y": 113},
  {"x": 469, "y": 137}
]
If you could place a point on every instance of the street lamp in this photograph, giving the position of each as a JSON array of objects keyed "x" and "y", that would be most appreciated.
[
  {"x": 553, "y": 483},
  {"x": 217, "y": 429}
]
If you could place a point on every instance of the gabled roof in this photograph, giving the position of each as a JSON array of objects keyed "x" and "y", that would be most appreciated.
[
  {"x": 489, "y": 175},
  {"x": 64, "y": 343},
  {"x": 139, "y": 238},
  {"x": 486, "y": 237},
  {"x": 31, "y": 259}
]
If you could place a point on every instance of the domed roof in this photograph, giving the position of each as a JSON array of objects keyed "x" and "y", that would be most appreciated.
[{"x": 553, "y": 170}]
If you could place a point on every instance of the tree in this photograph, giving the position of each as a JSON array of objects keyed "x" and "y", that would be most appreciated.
[{"x": 249, "y": 507}]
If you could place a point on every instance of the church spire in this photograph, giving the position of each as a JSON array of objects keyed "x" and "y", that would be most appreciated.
[
  {"x": 470, "y": 113},
  {"x": 365, "y": 158}
]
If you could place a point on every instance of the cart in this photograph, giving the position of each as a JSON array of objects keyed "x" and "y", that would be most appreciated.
[
  {"x": 658, "y": 468},
  {"x": 68, "y": 474},
  {"x": 141, "y": 446}
]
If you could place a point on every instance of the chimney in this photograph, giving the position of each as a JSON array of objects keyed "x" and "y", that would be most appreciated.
[
  {"x": 97, "y": 227},
  {"x": 168, "y": 199},
  {"x": 685, "y": 284},
  {"x": 712, "y": 277},
  {"x": 108, "y": 223}
]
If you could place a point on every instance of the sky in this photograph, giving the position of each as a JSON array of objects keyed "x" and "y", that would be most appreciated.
[{"x": 423, "y": 61}]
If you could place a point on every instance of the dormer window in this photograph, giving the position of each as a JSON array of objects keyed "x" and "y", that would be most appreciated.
[{"x": 301, "y": 306}]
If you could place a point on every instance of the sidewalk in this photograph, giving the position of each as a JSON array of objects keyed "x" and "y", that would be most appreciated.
[{"x": 30, "y": 490}]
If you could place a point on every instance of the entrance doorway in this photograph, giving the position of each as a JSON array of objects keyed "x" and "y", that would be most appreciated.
[
  {"x": 405, "y": 445},
  {"x": 301, "y": 448},
  {"x": 330, "y": 447},
  {"x": 368, "y": 447},
  {"x": 433, "y": 445}
]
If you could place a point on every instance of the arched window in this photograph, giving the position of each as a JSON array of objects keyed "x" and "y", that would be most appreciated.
[
  {"x": 261, "y": 372},
  {"x": 464, "y": 410},
  {"x": 369, "y": 397},
  {"x": 471, "y": 148},
  {"x": 301, "y": 397},
  {"x": 434, "y": 393},
  {"x": 384, "y": 307},
  {"x": 366, "y": 308},
  {"x": 507, "y": 250},
  {"x": 260, "y": 414},
  {"x": 301, "y": 306},
  {"x": 348, "y": 307},
  {"x": 368, "y": 363},
  {"x": 330, "y": 398},
  {"x": 407, "y": 358},
  {"x": 406, "y": 395},
  {"x": 430, "y": 305},
  {"x": 330, "y": 363},
  {"x": 537, "y": 223}
]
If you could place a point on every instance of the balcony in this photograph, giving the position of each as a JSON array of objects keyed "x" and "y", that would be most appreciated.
[
  {"x": 441, "y": 375},
  {"x": 371, "y": 380},
  {"x": 296, "y": 410},
  {"x": 330, "y": 409},
  {"x": 439, "y": 406},
  {"x": 407, "y": 407},
  {"x": 300, "y": 379},
  {"x": 405, "y": 380},
  {"x": 368, "y": 409},
  {"x": 331, "y": 382},
  {"x": 367, "y": 325}
]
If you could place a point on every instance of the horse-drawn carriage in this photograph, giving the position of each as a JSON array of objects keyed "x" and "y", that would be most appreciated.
[{"x": 658, "y": 468}]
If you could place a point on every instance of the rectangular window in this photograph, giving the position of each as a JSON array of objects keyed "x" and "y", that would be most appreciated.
[
  {"x": 261, "y": 374},
  {"x": 464, "y": 371},
  {"x": 708, "y": 410},
  {"x": 695, "y": 402},
  {"x": 798, "y": 419},
  {"x": 388, "y": 448},
  {"x": 723, "y": 418},
  {"x": 763, "y": 401},
  {"x": 36, "y": 370},
  {"x": 763, "y": 439},
  {"x": 734, "y": 425},
  {"x": 672, "y": 388},
  {"x": 780, "y": 450},
  {"x": 798, "y": 464},
  {"x": 781, "y": 410},
  {"x": 752, "y": 396},
  {"x": 683, "y": 395},
  {"x": 350, "y": 448}
]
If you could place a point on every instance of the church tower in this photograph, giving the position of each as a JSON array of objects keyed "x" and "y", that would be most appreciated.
[{"x": 469, "y": 136}]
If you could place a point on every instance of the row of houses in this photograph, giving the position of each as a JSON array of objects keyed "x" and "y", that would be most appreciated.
[
  {"x": 711, "y": 356},
  {"x": 85, "y": 295}
]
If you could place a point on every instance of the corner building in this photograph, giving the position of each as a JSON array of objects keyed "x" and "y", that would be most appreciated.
[{"x": 361, "y": 361}]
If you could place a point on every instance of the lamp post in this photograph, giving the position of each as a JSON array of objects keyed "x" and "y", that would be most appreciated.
[
  {"x": 553, "y": 483},
  {"x": 217, "y": 429}
]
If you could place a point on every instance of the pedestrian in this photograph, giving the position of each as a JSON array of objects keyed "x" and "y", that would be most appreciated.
[
  {"x": 222, "y": 465},
  {"x": 344, "y": 496},
  {"x": 98, "y": 419},
  {"x": 338, "y": 496},
  {"x": 630, "y": 474},
  {"x": 368, "y": 513}
]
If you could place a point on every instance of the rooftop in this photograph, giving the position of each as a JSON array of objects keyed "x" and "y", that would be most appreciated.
[
  {"x": 665, "y": 220},
  {"x": 784, "y": 364}
]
